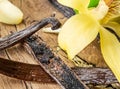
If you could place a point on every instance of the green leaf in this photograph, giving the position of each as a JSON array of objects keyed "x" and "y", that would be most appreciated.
[{"x": 93, "y": 3}]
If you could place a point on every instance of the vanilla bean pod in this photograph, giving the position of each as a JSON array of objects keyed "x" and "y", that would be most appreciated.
[
  {"x": 97, "y": 76},
  {"x": 14, "y": 38},
  {"x": 54, "y": 66},
  {"x": 66, "y": 11},
  {"x": 23, "y": 71}
]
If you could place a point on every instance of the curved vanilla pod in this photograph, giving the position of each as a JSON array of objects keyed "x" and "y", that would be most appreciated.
[
  {"x": 54, "y": 66},
  {"x": 66, "y": 11},
  {"x": 21, "y": 35},
  {"x": 24, "y": 71}
]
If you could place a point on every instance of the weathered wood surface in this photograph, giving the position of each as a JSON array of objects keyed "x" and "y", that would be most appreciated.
[{"x": 35, "y": 10}]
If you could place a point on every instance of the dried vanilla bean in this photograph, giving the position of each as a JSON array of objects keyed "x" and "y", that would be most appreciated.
[
  {"x": 66, "y": 11},
  {"x": 23, "y": 71},
  {"x": 54, "y": 66},
  {"x": 97, "y": 76},
  {"x": 14, "y": 38}
]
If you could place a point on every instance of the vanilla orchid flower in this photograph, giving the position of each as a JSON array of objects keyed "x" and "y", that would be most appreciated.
[{"x": 81, "y": 29}]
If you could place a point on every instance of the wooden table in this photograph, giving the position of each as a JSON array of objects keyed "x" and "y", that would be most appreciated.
[{"x": 35, "y": 10}]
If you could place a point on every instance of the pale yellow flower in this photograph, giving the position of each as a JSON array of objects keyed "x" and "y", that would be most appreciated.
[{"x": 81, "y": 29}]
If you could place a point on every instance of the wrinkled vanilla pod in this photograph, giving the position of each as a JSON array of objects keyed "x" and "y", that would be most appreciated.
[
  {"x": 97, "y": 76},
  {"x": 14, "y": 38},
  {"x": 54, "y": 66},
  {"x": 66, "y": 11},
  {"x": 24, "y": 71}
]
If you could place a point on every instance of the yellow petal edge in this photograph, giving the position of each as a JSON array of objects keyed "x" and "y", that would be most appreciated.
[
  {"x": 110, "y": 48},
  {"x": 80, "y": 5}
]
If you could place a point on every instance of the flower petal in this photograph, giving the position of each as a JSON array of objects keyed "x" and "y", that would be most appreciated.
[
  {"x": 80, "y": 5},
  {"x": 100, "y": 11},
  {"x": 114, "y": 26},
  {"x": 77, "y": 33},
  {"x": 108, "y": 2},
  {"x": 110, "y": 48}
]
